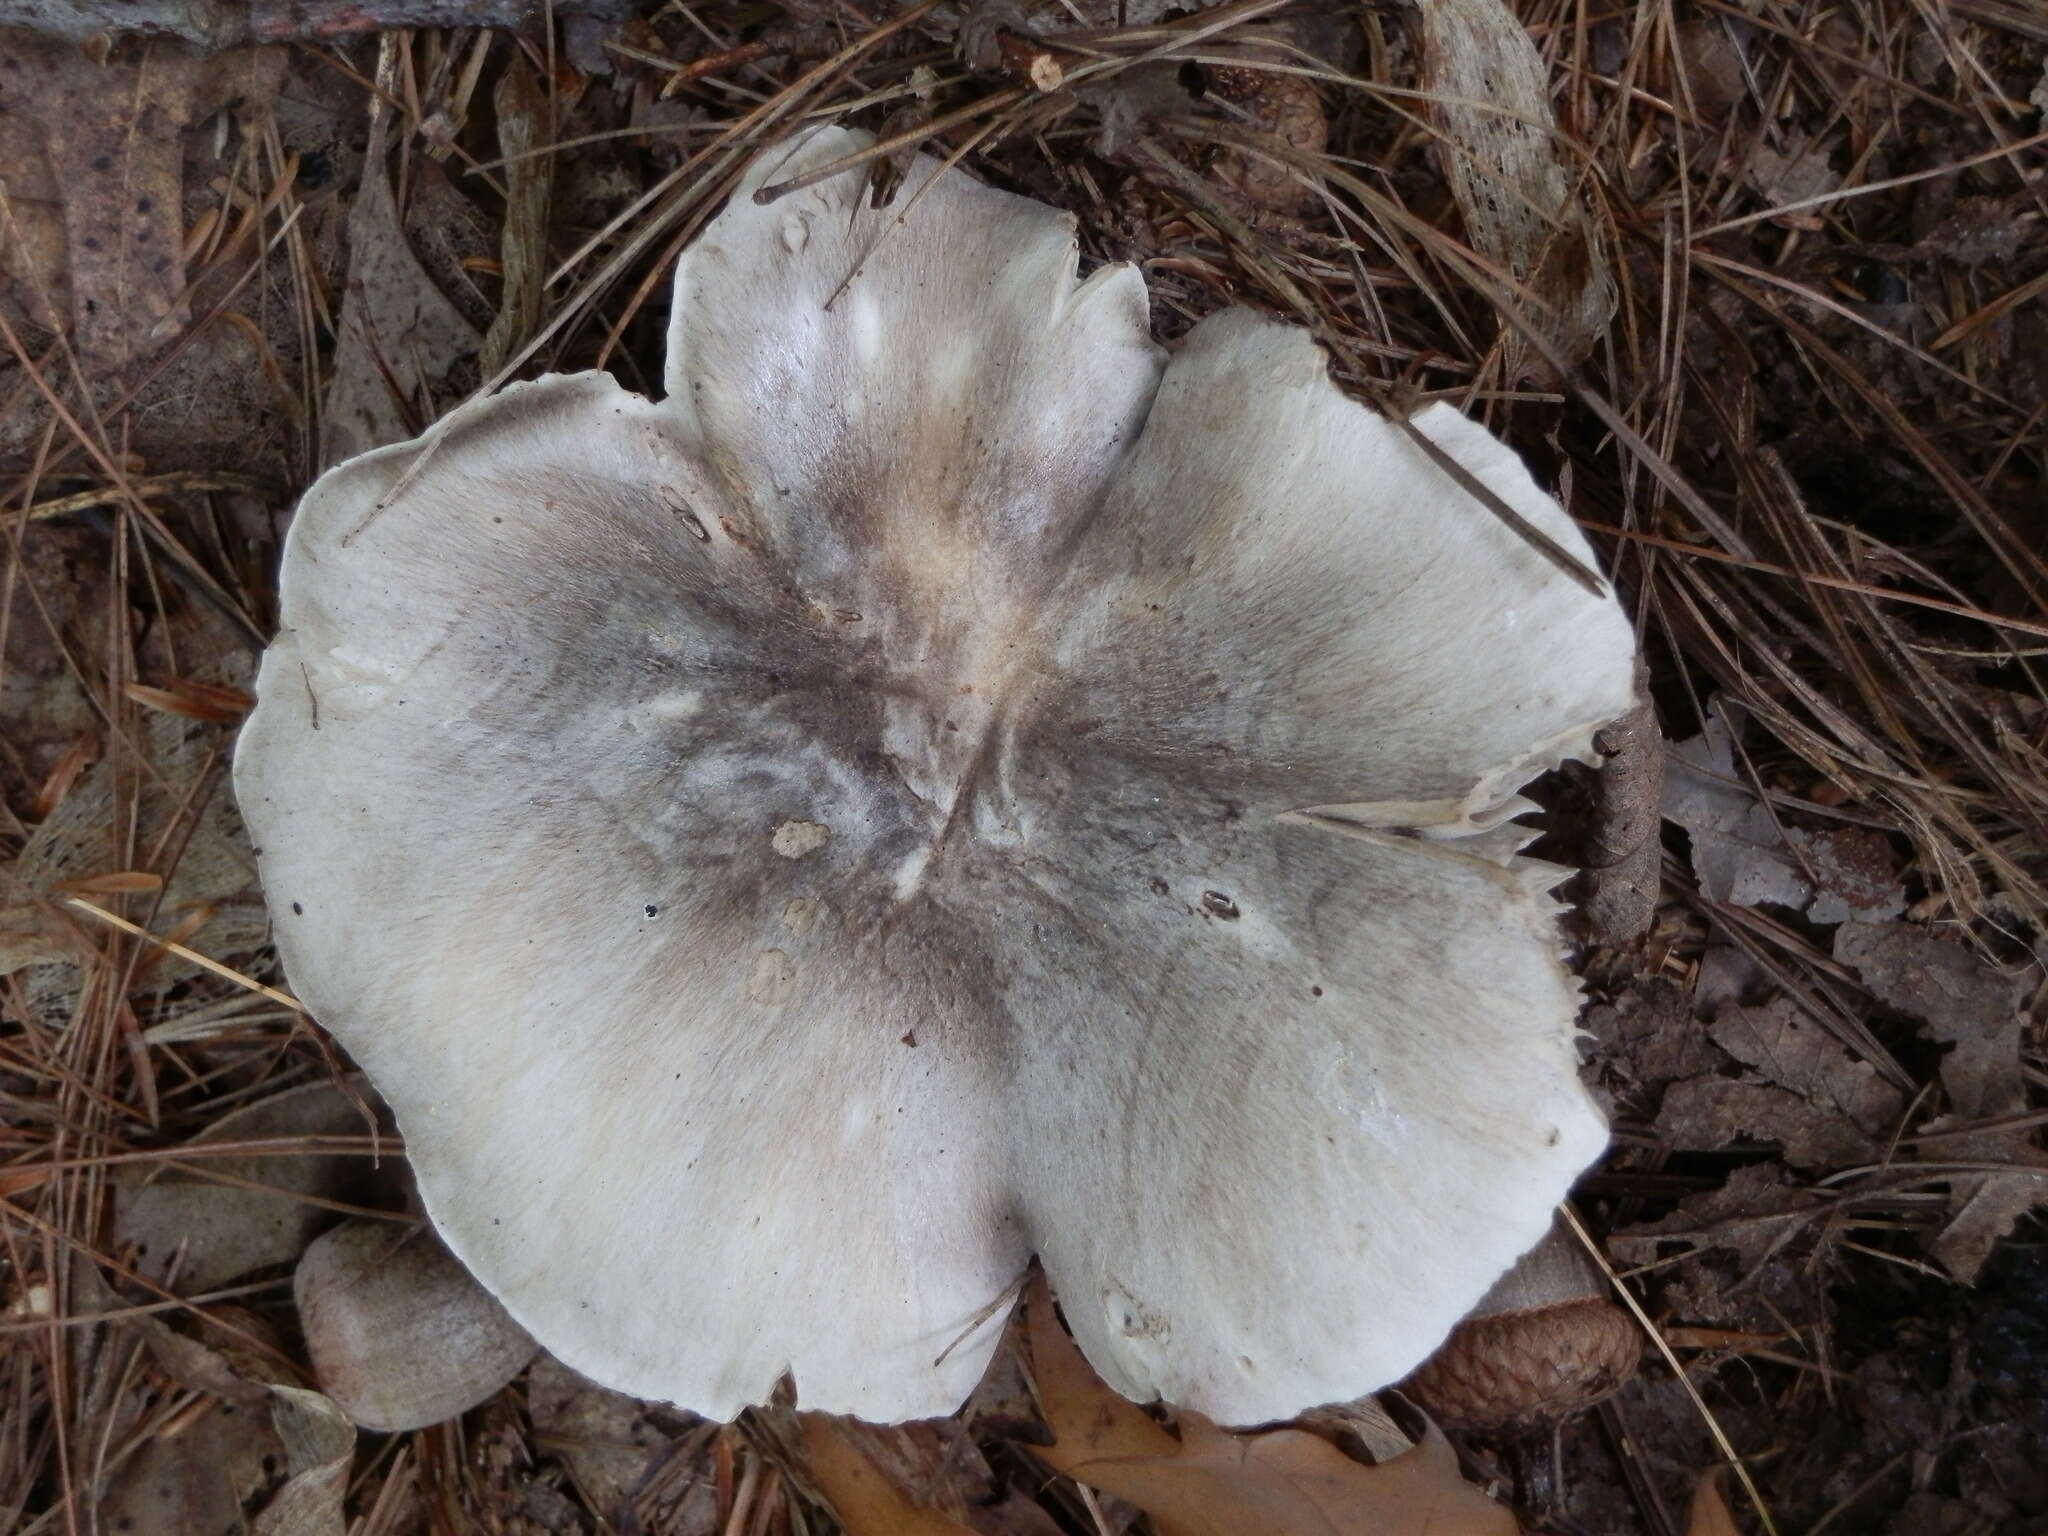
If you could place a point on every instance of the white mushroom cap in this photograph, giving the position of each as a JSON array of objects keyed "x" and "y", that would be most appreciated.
[{"x": 791, "y": 851}]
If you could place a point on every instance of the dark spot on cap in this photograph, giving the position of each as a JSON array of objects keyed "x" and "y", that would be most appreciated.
[
  {"x": 910, "y": 1038},
  {"x": 297, "y": 910},
  {"x": 1315, "y": 991},
  {"x": 144, "y": 204},
  {"x": 653, "y": 910},
  {"x": 1159, "y": 886},
  {"x": 103, "y": 162}
]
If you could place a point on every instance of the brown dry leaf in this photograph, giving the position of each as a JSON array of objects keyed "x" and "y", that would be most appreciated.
[
  {"x": 179, "y": 802},
  {"x": 1820, "y": 1104},
  {"x": 1206, "y": 1481},
  {"x": 111, "y": 137},
  {"x": 1491, "y": 103},
  {"x": 1281, "y": 104},
  {"x": 62, "y": 587},
  {"x": 866, "y": 1502},
  {"x": 222, "y": 1228},
  {"x": 260, "y": 1435},
  {"x": 1967, "y": 1004},
  {"x": 1797, "y": 172},
  {"x": 33, "y": 271},
  {"x": 1712, "y": 66},
  {"x": 1787, "y": 1048},
  {"x": 1983, "y": 1208},
  {"x": 1648, "y": 1038},
  {"x": 1737, "y": 851},
  {"x": 194, "y": 1478},
  {"x": 400, "y": 337},
  {"x": 209, "y": 24},
  {"x": 1710, "y": 1516},
  {"x": 1710, "y": 1113},
  {"x": 1975, "y": 1009},
  {"x": 19, "y": 1181},
  {"x": 936, "y": 1465},
  {"x": 238, "y": 1362}
]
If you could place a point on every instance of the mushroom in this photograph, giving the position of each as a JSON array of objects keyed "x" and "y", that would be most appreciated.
[{"x": 946, "y": 783}]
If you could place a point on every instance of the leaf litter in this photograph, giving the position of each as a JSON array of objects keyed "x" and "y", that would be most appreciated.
[
  {"x": 1756, "y": 286},
  {"x": 1196, "y": 1479}
]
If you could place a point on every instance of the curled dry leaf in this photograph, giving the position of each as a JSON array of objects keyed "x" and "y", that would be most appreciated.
[
  {"x": 1206, "y": 1481},
  {"x": 401, "y": 1337},
  {"x": 1491, "y": 103}
]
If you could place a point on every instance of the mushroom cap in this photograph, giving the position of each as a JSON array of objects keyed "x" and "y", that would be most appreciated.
[{"x": 947, "y": 783}]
